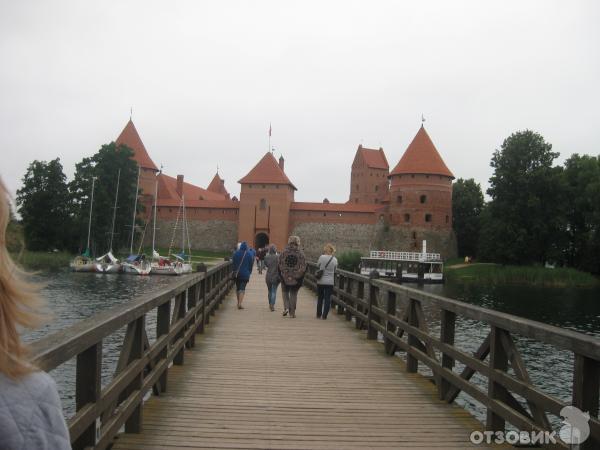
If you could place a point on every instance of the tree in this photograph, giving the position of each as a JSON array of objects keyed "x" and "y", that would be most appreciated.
[
  {"x": 524, "y": 222},
  {"x": 105, "y": 166},
  {"x": 467, "y": 204},
  {"x": 582, "y": 178},
  {"x": 44, "y": 206}
]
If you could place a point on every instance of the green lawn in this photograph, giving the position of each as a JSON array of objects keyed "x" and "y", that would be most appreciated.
[{"x": 529, "y": 275}]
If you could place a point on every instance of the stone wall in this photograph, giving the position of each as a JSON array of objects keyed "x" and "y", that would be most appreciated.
[
  {"x": 214, "y": 235},
  {"x": 365, "y": 237}
]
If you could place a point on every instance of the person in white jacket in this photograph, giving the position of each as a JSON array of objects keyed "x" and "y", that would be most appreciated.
[{"x": 30, "y": 411}]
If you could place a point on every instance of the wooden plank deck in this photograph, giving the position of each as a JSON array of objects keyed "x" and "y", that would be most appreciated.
[{"x": 257, "y": 380}]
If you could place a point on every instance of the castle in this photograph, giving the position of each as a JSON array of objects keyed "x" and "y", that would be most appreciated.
[{"x": 386, "y": 210}]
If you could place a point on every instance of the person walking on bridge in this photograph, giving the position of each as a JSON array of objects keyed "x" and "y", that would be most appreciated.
[
  {"x": 292, "y": 267},
  {"x": 326, "y": 266},
  {"x": 272, "y": 276},
  {"x": 243, "y": 260},
  {"x": 30, "y": 411}
]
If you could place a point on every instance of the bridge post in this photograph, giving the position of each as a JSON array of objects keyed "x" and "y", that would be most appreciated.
[
  {"x": 371, "y": 317},
  {"x": 359, "y": 294},
  {"x": 447, "y": 328},
  {"x": 498, "y": 361},
  {"x": 163, "y": 326},
  {"x": 178, "y": 314},
  {"x": 586, "y": 385},
  {"x": 87, "y": 390},
  {"x": 202, "y": 298},
  {"x": 389, "y": 326},
  {"x": 192, "y": 301},
  {"x": 349, "y": 283},
  {"x": 134, "y": 422},
  {"x": 339, "y": 295},
  {"x": 412, "y": 363}
]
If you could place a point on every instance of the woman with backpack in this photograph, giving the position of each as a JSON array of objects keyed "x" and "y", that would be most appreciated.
[
  {"x": 243, "y": 260},
  {"x": 292, "y": 267},
  {"x": 272, "y": 277}
]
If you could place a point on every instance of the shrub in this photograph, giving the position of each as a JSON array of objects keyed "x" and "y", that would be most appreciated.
[{"x": 349, "y": 260}]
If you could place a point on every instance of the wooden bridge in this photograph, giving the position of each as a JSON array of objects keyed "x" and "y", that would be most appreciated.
[{"x": 254, "y": 379}]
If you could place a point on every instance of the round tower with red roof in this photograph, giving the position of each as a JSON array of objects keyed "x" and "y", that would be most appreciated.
[{"x": 421, "y": 187}]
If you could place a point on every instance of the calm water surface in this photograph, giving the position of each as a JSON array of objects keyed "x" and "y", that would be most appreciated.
[{"x": 74, "y": 296}]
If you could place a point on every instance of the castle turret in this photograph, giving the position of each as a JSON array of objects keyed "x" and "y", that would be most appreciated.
[
  {"x": 421, "y": 187},
  {"x": 265, "y": 199},
  {"x": 369, "y": 176}
]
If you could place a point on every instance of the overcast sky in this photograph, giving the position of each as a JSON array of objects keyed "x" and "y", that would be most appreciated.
[{"x": 205, "y": 79}]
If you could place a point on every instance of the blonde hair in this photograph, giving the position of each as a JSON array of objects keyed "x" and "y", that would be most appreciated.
[
  {"x": 294, "y": 240},
  {"x": 18, "y": 303},
  {"x": 329, "y": 248}
]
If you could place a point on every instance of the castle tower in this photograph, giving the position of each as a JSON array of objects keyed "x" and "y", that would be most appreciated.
[
  {"x": 264, "y": 208},
  {"x": 369, "y": 176},
  {"x": 217, "y": 185},
  {"x": 421, "y": 187},
  {"x": 148, "y": 170}
]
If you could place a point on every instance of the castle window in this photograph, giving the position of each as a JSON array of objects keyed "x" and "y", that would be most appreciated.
[
  {"x": 407, "y": 218},
  {"x": 399, "y": 199},
  {"x": 426, "y": 176},
  {"x": 357, "y": 187},
  {"x": 170, "y": 210},
  {"x": 412, "y": 175},
  {"x": 376, "y": 200},
  {"x": 423, "y": 198},
  {"x": 376, "y": 188},
  {"x": 263, "y": 186},
  {"x": 356, "y": 200},
  {"x": 263, "y": 203},
  {"x": 427, "y": 217},
  {"x": 414, "y": 235},
  {"x": 324, "y": 214},
  {"x": 447, "y": 219}
]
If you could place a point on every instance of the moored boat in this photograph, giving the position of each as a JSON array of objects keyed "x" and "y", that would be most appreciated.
[
  {"x": 84, "y": 262},
  {"x": 136, "y": 265},
  {"x": 107, "y": 263}
]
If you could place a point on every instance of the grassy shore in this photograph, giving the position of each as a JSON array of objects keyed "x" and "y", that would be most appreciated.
[
  {"x": 524, "y": 275},
  {"x": 42, "y": 260}
]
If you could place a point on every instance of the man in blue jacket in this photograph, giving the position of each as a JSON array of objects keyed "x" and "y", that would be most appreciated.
[{"x": 243, "y": 260}]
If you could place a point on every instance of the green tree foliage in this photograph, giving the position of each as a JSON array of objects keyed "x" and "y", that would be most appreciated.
[
  {"x": 582, "y": 177},
  {"x": 524, "y": 222},
  {"x": 467, "y": 204},
  {"x": 349, "y": 260},
  {"x": 104, "y": 165},
  {"x": 43, "y": 203}
]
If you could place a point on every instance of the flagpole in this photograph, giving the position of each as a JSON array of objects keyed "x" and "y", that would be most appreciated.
[{"x": 269, "y": 137}]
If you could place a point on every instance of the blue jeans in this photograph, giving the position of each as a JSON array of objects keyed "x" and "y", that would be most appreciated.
[
  {"x": 272, "y": 287},
  {"x": 324, "y": 299}
]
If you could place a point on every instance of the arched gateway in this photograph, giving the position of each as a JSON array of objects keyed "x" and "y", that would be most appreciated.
[{"x": 261, "y": 240}]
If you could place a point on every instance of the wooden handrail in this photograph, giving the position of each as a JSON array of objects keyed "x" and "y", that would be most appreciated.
[
  {"x": 375, "y": 305},
  {"x": 100, "y": 413}
]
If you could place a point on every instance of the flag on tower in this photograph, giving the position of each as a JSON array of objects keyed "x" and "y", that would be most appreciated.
[{"x": 269, "y": 130}]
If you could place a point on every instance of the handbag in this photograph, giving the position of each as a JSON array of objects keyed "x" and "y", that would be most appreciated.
[{"x": 319, "y": 273}]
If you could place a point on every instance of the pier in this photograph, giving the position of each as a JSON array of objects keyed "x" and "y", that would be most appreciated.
[{"x": 227, "y": 378}]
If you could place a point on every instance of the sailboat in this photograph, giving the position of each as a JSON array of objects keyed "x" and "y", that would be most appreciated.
[
  {"x": 107, "y": 263},
  {"x": 84, "y": 262},
  {"x": 136, "y": 263},
  {"x": 186, "y": 266},
  {"x": 160, "y": 264}
]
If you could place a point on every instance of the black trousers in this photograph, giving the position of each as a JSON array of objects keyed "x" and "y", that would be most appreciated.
[{"x": 324, "y": 299}]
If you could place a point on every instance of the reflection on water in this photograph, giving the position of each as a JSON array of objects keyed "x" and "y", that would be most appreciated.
[{"x": 71, "y": 297}]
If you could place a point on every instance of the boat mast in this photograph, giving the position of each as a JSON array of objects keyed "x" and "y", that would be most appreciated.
[
  {"x": 183, "y": 223},
  {"x": 154, "y": 222},
  {"x": 112, "y": 228},
  {"x": 137, "y": 187},
  {"x": 90, "y": 219}
]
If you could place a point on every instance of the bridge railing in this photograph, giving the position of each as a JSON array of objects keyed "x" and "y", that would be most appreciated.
[
  {"x": 182, "y": 311},
  {"x": 396, "y": 312}
]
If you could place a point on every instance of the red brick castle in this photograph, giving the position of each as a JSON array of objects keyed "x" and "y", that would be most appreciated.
[{"x": 386, "y": 210}]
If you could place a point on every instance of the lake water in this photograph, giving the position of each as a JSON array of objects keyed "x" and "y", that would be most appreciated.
[{"x": 74, "y": 296}]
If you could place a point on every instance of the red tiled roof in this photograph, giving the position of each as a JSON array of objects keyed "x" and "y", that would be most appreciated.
[
  {"x": 167, "y": 190},
  {"x": 421, "y": 157},
  {"x": 222, "y": 204},
  {"x": 374, "y": 159},
  {"x": 217, "y": 185},
  {"x": 267, "y": 171},
  {"x": 335, "y": 207},
  {"x": 130, "y": 137}
]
